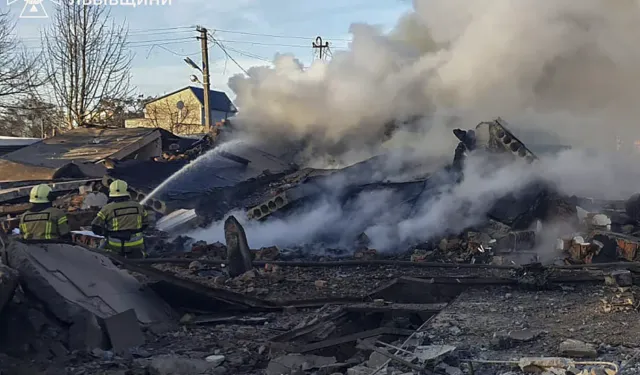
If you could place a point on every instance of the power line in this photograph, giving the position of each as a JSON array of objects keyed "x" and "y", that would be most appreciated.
[
  {"x": 145, "y": 43},
  {"x": 37, "y": 39},
  {"x": 166, "y": 28},
  {"x": 264, "y": 44},
  {"x": 162, "y": 40},
  {"x": 275, "y": 35},
  {"x": 249, "y": 55},
  {"x": 148, "y": 43},
  {"x": 187, "y": 29},
  {"x": 227, "y": 53},
  {"x": 170, "y": 51}
]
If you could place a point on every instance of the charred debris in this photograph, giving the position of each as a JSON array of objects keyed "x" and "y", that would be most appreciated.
[{"x": 510, "y": 294}]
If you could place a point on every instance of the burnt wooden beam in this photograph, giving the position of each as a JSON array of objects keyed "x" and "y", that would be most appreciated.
[
  {"x": 405, "y": 308},
  {"x": 343, "y": 340}
]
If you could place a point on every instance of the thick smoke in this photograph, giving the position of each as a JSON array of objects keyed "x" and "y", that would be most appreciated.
[
  {"x": 565, "y": 67},
  {"x": 447, "y": 209},
  {"x": 563, "y": 71}
]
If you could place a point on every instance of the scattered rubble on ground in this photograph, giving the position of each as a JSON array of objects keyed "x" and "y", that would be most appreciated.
[{"x": 476, "y": 302}]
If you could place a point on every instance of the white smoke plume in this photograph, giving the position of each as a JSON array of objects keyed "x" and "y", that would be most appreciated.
[
  {"x": 565, "y": 67},
  {"x": 448, "y": 209},
  {"x": 564, "y": 71}
]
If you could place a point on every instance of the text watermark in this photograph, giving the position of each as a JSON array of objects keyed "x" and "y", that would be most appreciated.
[
  {"x": 36, "y": 8},
  {"x": 129, "y": 3}
]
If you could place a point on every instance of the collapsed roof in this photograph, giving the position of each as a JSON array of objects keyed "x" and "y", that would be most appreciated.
[{"x": 75, "y": 153}]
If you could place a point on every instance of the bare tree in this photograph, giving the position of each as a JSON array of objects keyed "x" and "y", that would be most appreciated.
[
  {"x": 116, "y": 111},
  {"x": 87, "y": 59},
  {"x": 30, "y": 117},
  {"x": 19, "y": 71}
]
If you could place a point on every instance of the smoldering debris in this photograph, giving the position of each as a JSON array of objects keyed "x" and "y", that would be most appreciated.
[{"x": 491, "y": 178}]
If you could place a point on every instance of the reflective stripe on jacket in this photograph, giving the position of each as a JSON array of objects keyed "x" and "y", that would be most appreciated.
[
  {"x": 116, "y": 244},
  {"x": 123, "y": 223},
  {"x": 48, "y": 224}
]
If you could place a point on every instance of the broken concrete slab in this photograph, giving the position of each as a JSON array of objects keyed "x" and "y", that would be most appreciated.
[
  {"x": 539, "y": 364},
  {"x": 509, "y": 339},
  {"x": 8, "y": 283},
  {"x": 238, "y": 252},
  {"x": 70, "y": 279},
  {"x": 449, "y": 370},
  {"x": 174, "y": 365},
  {"x": 215, "y": 360},
  {"x": 429, "y": 353},
  {"x": 124, "y": 331},
  {"x": 287, "y": 364},
  {"x": 376, "y": 360},
  {"x": 177, "y": 221},
  {"x": 577, "y": 349},
  {"x": 359, "y": 370},
  {"x": 619, "y": 278}
]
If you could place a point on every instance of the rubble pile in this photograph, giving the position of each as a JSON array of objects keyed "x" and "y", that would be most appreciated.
[{"x": 476, "y": 301}]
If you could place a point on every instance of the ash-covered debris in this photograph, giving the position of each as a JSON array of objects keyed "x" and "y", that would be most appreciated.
[{"x": 334, "y": 302}]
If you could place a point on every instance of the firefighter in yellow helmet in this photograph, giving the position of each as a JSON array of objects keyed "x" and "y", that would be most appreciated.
[
  {"x": 122, "y": 221},
  {"x": 42, "y": 222}
]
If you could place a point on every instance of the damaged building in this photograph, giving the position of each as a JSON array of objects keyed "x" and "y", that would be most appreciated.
[{"x": 474, "y": 298}]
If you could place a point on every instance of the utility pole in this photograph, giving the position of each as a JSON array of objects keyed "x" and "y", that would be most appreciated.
[
  {"x": 205, "y": 75},
  {"x": 321, "y": 47}
]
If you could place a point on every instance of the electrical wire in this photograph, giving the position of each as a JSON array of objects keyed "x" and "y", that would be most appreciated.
[
  {"x": 248, "y": 54},
  {"x": 275, "y": 35},
  {"x": 165, "y": 28},
  {"x": 187, "y": 29},
  {"x": 227, "y": 53},
  {"x": 170, "y": 51},
  {"x": 129, "y": 34}
]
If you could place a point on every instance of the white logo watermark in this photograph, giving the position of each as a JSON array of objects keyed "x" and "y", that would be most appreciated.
[
  {"x": 36, "y": 8},
  {"x": 130, "y": 3},
  {"x": 33, "y": 8}
]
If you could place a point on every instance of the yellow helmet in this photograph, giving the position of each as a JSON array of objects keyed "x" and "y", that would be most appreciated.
[
  {"x": 40, "y": 194},
  {"x": 118, "y": 188}
]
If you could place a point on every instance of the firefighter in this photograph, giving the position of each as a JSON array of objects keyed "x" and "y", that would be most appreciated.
[
  {"x": 122, "y": 222},
  {"x": 42, "y": 222}
]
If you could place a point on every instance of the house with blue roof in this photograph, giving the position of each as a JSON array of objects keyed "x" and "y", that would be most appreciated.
[{"x": 182, "y": 111}]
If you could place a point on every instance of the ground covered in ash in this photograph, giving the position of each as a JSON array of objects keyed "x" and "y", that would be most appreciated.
[
  {"x": 282, "y": 284},
  {"x": 505, "y": 323},
  {"x": 481, "y": 318}
]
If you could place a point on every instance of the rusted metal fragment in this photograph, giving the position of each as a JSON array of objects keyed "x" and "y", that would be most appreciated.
[
  {"x": 87, "y": 239},
  {"x": 617, "y": 246},
  {"x": 581, "y": 252},
  {"x": 238, "y": 252}
]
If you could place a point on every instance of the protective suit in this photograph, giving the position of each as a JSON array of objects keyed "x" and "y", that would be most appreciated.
[
  {"x": 42, "y": 222},
  {"x": 122, "y": 222}
]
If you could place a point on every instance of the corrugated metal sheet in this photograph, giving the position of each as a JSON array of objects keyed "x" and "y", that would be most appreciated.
[
  {"x": 81, "y": 145},
  {"x": 72, "y": 154}
]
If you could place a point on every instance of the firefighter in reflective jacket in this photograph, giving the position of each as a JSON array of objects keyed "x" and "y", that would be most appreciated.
[
  {"x": 42, "y": 222},
  {"x": 122, "y": 221}
]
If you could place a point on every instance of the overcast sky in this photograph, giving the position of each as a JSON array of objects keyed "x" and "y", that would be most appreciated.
[{"x": 160, "y": 36}]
